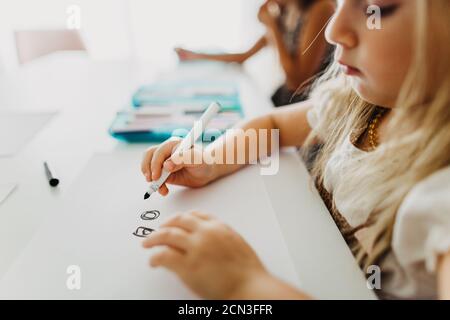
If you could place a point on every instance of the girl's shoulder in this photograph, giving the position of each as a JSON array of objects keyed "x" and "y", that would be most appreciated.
[
  {"x": 436, "y": 184},
  {"x": 422, "y": 225},
  {"x": 433, "y": 191}
]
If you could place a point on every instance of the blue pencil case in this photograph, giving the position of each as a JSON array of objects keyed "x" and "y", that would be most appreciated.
[
  {"x": 135, "y": 127},
  {"x": 192, "y": 93}
]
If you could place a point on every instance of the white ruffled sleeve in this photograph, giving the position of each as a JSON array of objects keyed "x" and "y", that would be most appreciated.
[{"x": 422, "y": 227}]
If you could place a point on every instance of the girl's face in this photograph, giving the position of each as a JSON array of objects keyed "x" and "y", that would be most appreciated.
[{"x": 376, "y": 60}]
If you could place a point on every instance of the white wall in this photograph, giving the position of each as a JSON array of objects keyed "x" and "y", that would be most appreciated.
[
  {"x": 222, "y": 24},
  {"x": 146, "y": 29},
  {"x": 102, "y": 24}
]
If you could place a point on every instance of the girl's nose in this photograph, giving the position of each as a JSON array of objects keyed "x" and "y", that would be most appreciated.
[{"x": 340, "y": 31}]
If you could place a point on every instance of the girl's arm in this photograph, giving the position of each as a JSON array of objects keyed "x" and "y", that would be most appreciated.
[
  {"x": 230, "y": 152},
  {"x": 211, "y": 258},
  {"x": 214, "y": 261},
  {"x": 267, "y": 287},
  {"x": 444, "y": 277},
  {"x": 312, "y": 48},
  {"x": 237, "y": 57},
  {"x": 292, "y": 126}
]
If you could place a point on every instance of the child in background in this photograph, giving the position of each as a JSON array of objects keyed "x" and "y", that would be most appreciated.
[
  {"x": 383, "y": 117},
  {"x": 295, "y": 28}
]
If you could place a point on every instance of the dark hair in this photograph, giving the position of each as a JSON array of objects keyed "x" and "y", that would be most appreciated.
[{"x": 305, "y": 4}]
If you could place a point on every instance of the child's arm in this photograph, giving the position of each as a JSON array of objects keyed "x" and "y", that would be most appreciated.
[
  {"x": 211, "y": 258},
  {"x": 214, "y": 261},
  {"x": 444, "y": 277},
  {"x": 290, "y": 121},
  {"x": 186, "y": 55},
  {"x": 292, "y": 126}
]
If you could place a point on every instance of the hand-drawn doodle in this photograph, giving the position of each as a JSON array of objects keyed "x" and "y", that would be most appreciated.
[
  {"x": 150, "y": 215},
  {"x": 143, "y": 232}
]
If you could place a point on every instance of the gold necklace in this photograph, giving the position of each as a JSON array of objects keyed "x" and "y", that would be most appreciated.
[{"x": 373, "y": 126}]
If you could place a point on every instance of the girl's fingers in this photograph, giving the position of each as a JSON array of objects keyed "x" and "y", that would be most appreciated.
[
  {"x": 160, "y": 155},
  {"x": 145, "y": 164},
  {"x": 163, "y": 190},
  {"x": 168, "y": 258},
  {"x": 170, "y": 166},
  {"x": 202, "y": 215},
  {"x": 172, "y": 237},
  {"x": 183, "y": 221},
  {"x": 190, "y": 158}
]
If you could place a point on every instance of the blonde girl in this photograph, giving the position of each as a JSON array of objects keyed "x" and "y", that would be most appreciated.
[{"x": 382, "y": 116}]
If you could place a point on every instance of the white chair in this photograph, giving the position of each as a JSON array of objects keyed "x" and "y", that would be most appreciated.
[{"x": 32, "y": 44}]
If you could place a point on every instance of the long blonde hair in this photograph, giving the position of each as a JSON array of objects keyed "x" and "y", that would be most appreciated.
[{"x": 419, "y": 131}]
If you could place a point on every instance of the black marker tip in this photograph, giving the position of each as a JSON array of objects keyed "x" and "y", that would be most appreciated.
[
  {"x": 146, "y": 196},
  {"x": 53, "y": 182}
]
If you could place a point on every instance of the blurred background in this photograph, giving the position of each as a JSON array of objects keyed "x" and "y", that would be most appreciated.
[{"x": 137, "y": 29}]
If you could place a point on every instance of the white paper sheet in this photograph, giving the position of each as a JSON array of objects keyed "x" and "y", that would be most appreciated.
[
  {"x": 92, "y": 229},
  {"x": 6, "y": 190},
  {"x": 16, "y": 129}
]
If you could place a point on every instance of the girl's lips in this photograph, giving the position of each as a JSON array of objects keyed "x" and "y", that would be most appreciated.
[{"x": 349, "y": 70}]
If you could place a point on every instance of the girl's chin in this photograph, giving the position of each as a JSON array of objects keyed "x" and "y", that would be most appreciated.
[
  {"x": 359, "y": 88},
  {"x": 366, "y": 93}
]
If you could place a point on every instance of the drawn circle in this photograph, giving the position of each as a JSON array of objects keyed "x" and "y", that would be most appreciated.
[
  {"x": 143, "y": 232},
  {"x": 150, "y": 215}
]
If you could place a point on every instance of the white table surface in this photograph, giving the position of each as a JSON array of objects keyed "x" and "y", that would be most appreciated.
[{"x": 86, "y": 94}]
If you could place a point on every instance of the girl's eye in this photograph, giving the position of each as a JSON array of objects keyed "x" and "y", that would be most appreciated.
[
  {"x": 385, "y": 11},
  {"x": 388, "y": 10}
]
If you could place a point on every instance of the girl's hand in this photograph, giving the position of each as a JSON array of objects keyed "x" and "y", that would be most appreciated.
[
  {"x": 184, "y": 170},
  {"x": 269, "y": 13},
  {"x": 209, "y": 257},
  {"x": 186, "y": 55}
]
